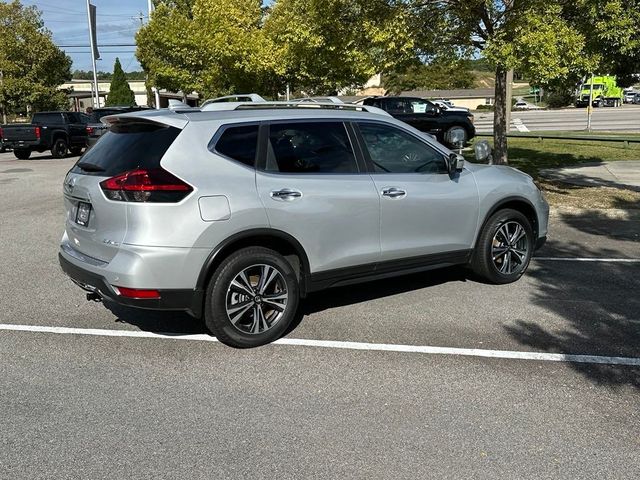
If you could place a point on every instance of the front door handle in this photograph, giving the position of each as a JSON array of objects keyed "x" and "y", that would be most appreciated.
[
  {"x": 393, "y": 192},
  {"x": 285, "y": 194}
]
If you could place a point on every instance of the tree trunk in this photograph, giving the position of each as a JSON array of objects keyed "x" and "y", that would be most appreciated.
[{"x": 500, "y": 127}]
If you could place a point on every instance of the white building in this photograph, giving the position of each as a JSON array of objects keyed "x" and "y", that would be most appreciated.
[{"x": 81, "y": 94}]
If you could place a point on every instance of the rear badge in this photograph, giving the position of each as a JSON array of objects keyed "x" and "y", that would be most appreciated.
[{"x": 83, "y": 213}]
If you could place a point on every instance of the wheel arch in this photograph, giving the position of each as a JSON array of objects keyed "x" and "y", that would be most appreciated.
[
  {"x": 520, "y": 204},
  {"x": 277, "y": 240}
]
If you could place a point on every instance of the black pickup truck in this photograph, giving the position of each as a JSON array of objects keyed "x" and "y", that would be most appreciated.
[
  {"x": 451, "y": 127},
  {"x": 59, "y": 132}
]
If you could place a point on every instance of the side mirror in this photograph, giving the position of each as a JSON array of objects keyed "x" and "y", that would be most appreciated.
[
  {"x": 455, "y": 163},
  {"x": 483, "y": 151}
]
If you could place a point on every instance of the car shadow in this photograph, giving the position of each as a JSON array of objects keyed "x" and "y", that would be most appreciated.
[
  {"x": 180, "y": 323},
  {"x": 599, "y": 304}
]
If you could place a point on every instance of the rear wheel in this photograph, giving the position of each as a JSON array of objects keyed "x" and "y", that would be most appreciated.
[
  {"x": 59, "y": 148},
  {"x": 504, "y": 247},
  {"x": 22, "y": 154},
  {"x": 252, "y": 298}
]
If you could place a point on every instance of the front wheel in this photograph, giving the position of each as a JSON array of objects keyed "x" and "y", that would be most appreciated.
[
  {"x": 504, "y": 248},
  {"x": 59, "y": 148},
  {"x": 252, "y": 298}
]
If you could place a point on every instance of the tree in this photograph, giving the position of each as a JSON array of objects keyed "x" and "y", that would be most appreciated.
[
  {"x": 326, "y": 45},
  {"x": 209, "y": 46},
  {"x": 218, "y": 47},
  {"x": 119, "y": 91},
  {"x": 31, "y": 65},
  {"x": 530, "y": 36}
]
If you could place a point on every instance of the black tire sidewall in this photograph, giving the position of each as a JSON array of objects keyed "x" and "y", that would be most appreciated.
[
  {"x": 484, "y": 265},
  {"x": 22, "y": 154},
  {"x": 56, "y": 147},
  {"x": 216, "y": 317}
]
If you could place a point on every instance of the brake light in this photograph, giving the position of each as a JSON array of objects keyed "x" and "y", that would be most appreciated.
[
  {"x": 1, "y": 133},
  {"x": 137, "y": 293},
  {"x": 90, "y": 130},
  {"x": 37, "y": 131},
  {"x": 142, "y": 185}
]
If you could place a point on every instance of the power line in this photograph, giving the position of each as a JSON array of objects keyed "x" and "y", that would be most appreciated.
[{"x": 100, "y": 45}]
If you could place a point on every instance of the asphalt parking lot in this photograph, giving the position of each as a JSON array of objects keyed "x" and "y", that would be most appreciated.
[{"x": 79, "y": 403}]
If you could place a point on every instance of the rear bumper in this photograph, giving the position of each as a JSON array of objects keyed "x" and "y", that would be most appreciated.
[
  {"x": 188, "y": 300},
  {"x": 24, "y": 144}
]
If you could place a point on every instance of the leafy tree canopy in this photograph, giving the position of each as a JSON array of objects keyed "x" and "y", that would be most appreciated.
[{"x": 31, "y": 65}]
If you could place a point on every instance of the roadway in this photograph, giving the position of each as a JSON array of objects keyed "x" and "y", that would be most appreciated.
[
  {"x": 622, "y": 119},
  {"x": 427, "y": 375}
]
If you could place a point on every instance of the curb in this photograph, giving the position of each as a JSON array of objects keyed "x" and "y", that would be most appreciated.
[{"x": 611, "y": 213}]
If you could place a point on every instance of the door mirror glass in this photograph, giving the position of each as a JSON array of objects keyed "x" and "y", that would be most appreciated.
[{"x": 482, "y": 150}]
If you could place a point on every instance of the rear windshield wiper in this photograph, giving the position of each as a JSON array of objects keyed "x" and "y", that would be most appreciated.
[{"x": 90, "y": 167}]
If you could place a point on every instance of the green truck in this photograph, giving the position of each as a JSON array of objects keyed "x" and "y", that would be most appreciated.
[{"x": 606, "y": 93}]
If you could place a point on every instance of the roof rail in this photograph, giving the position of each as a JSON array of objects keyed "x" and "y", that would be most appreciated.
[{"x": 308, "y": 105}]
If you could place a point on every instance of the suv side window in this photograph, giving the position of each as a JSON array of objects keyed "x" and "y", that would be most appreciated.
[
  {"x": 239, "y": 143},
  {"x": 394, "y": 151},
  {"x": 310, "y": 147}
]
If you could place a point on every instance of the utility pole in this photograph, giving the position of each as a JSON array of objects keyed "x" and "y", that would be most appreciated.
[
  {"x": 92, "y": 36},
  {"x": 590, "y": 106},
  {"x": 154, "y": 89}
]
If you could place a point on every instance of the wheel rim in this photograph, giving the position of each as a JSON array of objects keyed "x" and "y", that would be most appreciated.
[
  {"x": 256, "y": 299},
  {"x": 510, "y": 248},
  {"x": 60, "y": 148}
]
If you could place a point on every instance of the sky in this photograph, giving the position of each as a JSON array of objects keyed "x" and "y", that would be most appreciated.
[{"x": 117, "y": 22}]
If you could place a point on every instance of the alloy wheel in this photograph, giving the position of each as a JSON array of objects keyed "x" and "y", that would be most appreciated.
[
  {"x": 256, "y": 299},
  {"x": 510, "y": 248}
]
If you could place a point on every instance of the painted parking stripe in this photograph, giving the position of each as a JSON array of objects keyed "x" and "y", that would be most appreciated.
[
  {"x": 380, "y": 347},
  {"x": 587, "y": 259}
]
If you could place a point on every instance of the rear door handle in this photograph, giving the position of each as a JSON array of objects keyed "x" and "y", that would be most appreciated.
[
  {"x": 285, "y": 194},
  {"x": 393, "y": 192}
]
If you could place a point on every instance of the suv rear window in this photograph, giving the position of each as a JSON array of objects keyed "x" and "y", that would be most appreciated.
[
  {"x": 239, "y": 143},
  {"x": 127, "y": 147}
]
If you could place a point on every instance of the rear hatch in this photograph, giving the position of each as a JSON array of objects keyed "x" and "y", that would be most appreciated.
[
  {"x": 18, "y": 133},
  {"x": 119, "y": 169}
]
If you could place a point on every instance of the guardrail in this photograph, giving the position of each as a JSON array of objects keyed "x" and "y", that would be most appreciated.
[{"x": 589, "y": 138}]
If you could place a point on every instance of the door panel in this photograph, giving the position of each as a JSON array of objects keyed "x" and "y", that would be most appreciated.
[
  {"x": 434, "y": 215},
  {"x": 423, "y": 210},
  {"x": 313, "y": 190}
]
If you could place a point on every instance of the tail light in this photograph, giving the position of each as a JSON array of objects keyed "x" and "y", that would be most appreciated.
[
  {"x": 142, "y": 185},
  {"x": 90, "y": 130},
  {"x": 37, "y": 131},
  {"x": 1, "y": 133}
]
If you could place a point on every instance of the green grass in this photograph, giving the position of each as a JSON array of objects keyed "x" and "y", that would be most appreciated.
[{"x": 531, "y": 155}]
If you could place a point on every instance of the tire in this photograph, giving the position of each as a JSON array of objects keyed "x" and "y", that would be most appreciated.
[
  {"x": 447, "y": 134},
  {"x": 22, "y": 154},
  {"x": 235, "y": 308},
  {"x": 75, "y": 151},
  {"x": 59, "y": 148},
  {"x": 488, "y": 262}
]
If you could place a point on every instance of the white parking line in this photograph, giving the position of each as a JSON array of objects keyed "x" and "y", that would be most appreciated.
[
  {"x": 587, "y": 259},
  {"x": 384, "y": 347}
]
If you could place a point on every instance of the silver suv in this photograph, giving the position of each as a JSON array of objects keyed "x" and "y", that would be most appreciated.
[{"x": 234, "y": 215}]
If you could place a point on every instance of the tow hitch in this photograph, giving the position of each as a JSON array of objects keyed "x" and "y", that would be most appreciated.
[{"x": 94, "y": 297}]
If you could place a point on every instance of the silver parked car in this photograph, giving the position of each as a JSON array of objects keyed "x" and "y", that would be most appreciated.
[{"x": 235, "y": 215}]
